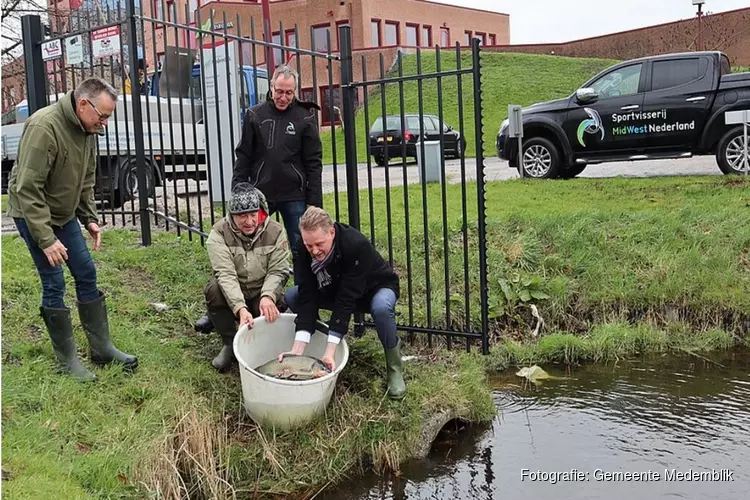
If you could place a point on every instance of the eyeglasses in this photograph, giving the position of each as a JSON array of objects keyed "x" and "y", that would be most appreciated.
[
  {"x": 281, "y": 92},
  {"x": 101, "y": 116}
]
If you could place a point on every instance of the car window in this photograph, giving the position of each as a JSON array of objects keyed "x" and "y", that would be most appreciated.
[
  {"x": 668, "y": 74},
  {"x": 394, "y": 123},
  {"x": 725, "y": 67},
  {"x": 620, "y": 82}
]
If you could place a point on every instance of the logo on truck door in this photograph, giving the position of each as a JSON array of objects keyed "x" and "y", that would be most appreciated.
[{"x": 591, "y": 126}]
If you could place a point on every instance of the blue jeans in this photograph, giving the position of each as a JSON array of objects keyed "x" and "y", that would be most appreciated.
[
  {"x": 382, "y": 307},
  {"x": 79, "y": 262},
  {"x": 291, "y": 212}
]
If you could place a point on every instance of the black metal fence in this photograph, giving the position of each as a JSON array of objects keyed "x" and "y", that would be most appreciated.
[{"x": 402, "y": 150}]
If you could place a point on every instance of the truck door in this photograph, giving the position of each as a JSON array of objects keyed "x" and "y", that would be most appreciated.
[
  {"x": 677, "y": 102},
  {"x": 595, "y": 127}
]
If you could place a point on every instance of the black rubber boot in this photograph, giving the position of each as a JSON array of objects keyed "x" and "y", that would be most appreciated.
[
  {"x": 204, "y": 324},
  {"x": 395, "y": 375},
  {"x": 61, "y": 333},
  {"x": 226, "y": 327},
  {"x": 94, "y": 321}
]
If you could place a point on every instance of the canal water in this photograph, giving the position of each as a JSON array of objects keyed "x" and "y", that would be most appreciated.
[{"x": 663, "y": 428}]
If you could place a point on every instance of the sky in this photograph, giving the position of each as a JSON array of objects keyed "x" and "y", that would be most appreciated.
[{"x": 538, "y": 21}]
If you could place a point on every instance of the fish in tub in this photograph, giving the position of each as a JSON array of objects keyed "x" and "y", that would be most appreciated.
[{"x": 294, "y": 367}]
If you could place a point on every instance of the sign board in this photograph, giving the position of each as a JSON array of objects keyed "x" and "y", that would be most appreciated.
[
  {"x": 737, "y": 117},
  {"x": 106, "y": 42},
  {"x": 221, "y": 89},
  {"x": 515, "y": 121},
  {"x": 74, "y": 50},
  {"x": 51, "y": 50}
]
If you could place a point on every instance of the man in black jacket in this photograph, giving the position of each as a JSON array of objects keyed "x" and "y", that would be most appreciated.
[
  {"x": 340, "y": 270},
  {"x": 280, "y": 153}
]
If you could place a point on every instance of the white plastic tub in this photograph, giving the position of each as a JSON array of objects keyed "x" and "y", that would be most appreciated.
[{"x": 283, "y": 404}]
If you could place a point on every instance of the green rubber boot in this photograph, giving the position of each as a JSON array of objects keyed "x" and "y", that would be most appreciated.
[
  {"x": 395, "y": 367},
  {"x": 226, "y": 327},
  {"x": 61, "y": 333},
  {"x": 93, "y": 316}
]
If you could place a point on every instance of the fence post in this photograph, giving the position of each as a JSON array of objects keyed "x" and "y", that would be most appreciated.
[
  {"x": 36, "y": 80},
  {"x": 140, "y": 149},
  {"x": 350, "y": 137},
  {"x": 482, "y": 222}
]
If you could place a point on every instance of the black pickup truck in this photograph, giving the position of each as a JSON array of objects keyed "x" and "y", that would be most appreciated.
[{"x": 667, "y": 106}]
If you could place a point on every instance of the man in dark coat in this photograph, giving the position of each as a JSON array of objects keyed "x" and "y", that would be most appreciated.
[{"x": 340, "y": 270}]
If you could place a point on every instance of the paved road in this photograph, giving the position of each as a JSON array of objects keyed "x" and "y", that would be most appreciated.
[{"x": 498, "y": 170}]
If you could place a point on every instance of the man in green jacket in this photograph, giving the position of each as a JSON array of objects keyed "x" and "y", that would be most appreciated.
[
  {"x": 51, "y": 190},
  {"x": 249, "y": 255}
]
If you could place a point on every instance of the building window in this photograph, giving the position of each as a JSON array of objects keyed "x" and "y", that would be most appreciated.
[
  {"x": 158, "y": 10},
  {"x": 467, "y": 38},
  {"x": 493, "y": 40},
  {"x": 192, "y": 7},
  {"x": 375, "y": 33},
  {"x": 320, "y": 37},
  {"x": 325, "y": 105},
  {"x": 426, "y": 36},
  {"x": 171, "y": 12},
  {"x": 481, "y": 37},
  {"x": 445, "y": 37},
  {"x": 338, "y": 25},
  {"x": 391, "y": 33},
  {"x": 291, "y": 41},
  {"x": 411, "y": 35},
  {"x": 277, "y": 56}
]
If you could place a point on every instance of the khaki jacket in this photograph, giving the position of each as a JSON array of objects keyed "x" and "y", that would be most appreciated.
[
  {"x": 53, "y": 178},
  {"x": 249, "y": 267}
]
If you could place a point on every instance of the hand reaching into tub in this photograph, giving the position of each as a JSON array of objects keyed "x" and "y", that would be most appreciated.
[
  {"x": 327, "y": 358},
  {"x": 245, "y": 317}
]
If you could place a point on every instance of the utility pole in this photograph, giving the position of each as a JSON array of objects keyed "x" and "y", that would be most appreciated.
[
  {"x": 700, "y": 3},
  {"x": 267, "y": 33}
]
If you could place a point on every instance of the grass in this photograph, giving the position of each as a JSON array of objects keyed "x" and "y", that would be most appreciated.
[
  {"x": 592, "y": 250},
  {"x": 616, "y": 267},
  {"x": 176, "y": 425},
  {"x": 506, "y": 79}
]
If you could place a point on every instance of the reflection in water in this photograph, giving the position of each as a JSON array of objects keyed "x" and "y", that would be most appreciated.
[{"x": 651, "y": 418}]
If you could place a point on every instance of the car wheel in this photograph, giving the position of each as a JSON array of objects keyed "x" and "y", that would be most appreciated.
[
  {"x": 540, "y": 159},
  {"x": 379, "y": 160},
  {"x": 459, "y": 149},
  {"x": 573, "y": 171},
  {"x": 730, "y": 152}
]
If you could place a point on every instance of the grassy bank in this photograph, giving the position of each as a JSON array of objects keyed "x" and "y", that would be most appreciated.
[
  {"x": 586, "y": 252},
  {"x": 616, "y": 267},
  {"x": 176, "y": 423},
  {"x": 506, "y": 79}
]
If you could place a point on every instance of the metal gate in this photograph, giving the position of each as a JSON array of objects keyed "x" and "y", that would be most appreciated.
[{"x": 388, "y": 139}]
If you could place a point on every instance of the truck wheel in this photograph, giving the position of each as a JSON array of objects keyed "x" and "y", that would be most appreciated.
[
  {"x": 127, "y": 186},
  {"x": 541, "y": 159},
  {"x": 730, "y": 152},
  {"x": 573, "y": 171},
  {"x": 379, "y": 161}
]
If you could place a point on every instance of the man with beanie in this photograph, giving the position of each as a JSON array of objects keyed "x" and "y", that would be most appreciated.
[
  {"x": 249, "y": 255},
  {"x": 50, "y": 195},
  {"x": 340, "y": 270},
  {"x": 280, "y": 153}
]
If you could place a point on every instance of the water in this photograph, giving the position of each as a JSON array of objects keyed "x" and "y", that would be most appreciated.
[{"x": 649, "y": 418}]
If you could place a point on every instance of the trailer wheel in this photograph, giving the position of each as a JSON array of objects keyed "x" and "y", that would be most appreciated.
[{"x": 127, "y": 181}]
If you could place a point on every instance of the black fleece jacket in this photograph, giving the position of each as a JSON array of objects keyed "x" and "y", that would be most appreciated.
[
  {"x": 357, "y": 272},
  {"x": 280, "y": 153}
]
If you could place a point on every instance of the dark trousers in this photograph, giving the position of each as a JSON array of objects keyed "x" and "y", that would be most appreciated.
[
  {"x": 79, "y": 262},
  {"x": 291, "y": 212},
  {"x": 382, "y": 307},
  {"x": 216, "y": 302}
]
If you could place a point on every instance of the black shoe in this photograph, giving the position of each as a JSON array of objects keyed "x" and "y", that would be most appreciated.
[{"x": 204, "y": 325}]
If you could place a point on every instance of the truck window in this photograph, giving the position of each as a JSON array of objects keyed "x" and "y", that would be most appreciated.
[
  {"x": 668, "y": 74},
  {"x": 725, "y": 67},
  {"x": 620, "y": 82}
]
